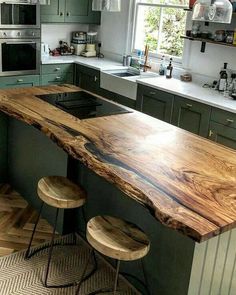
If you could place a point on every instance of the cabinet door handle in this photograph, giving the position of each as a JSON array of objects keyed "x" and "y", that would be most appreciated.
[
  {"x": 230, "y": 120},
  {"x": 68, "y": 14},
  {"x": 58, "y": 78},
  {"x": 20, "y": 80},
  {"x": 57, "y": 69},
  {"x": 152, "y": 92},
  {"x": 95, "y": 78},
  {"x": 189, "y": 105},
  {"x": 61, "y": 13},
  {"x": 210, "y": 133}
]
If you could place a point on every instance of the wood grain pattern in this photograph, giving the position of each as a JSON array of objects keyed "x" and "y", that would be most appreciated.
[
  {"x": 187, "y": 182},
  {"x": 117, "y": 238},
  {"x": 17, "y": 220},
  {"x": 60, "y": 192}
]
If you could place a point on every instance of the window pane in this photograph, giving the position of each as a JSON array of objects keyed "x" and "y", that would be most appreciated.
[
  {"x": 170, "y": 2},
  {"x": 147, "y": 27},
  {"x": 173, "y": 26}
]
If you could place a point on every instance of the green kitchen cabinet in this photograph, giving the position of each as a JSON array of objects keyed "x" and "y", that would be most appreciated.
[
  {"x": 224, "y": 135},
  {"x": 88, "y": 78},
  {"x": 80, "y": 11},
  {"x": 54, "y": 12},
  {"x": 191, "y": 116},
  {"x": 222, "y": 128},
  {"x": 54, "y": 74},
  {"x": 118, "y": 98},
  {"x": 155, "y": 103},
  {"x": 19, "y": 81},
  {"x": 54, "y": 79},
  {"x": 3, "y": 147},
  {"x": 69, "y": 11}
]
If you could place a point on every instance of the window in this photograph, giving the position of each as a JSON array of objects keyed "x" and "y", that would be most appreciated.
[{"x": 159, "y": 24}]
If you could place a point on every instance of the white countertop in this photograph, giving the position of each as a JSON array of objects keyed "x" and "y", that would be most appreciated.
[
  {"x": 91, "y": 62},
  {"x": 192, "y": 91},
  {"x": 189, "y": 90}
]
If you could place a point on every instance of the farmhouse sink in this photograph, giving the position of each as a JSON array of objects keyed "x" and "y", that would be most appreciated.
[{"x": 123, "y": 81}]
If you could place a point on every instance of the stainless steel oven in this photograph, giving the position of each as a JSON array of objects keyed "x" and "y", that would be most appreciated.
[
  {"x": 19, "y": 52},
  {"x": 19, "y": 14}
]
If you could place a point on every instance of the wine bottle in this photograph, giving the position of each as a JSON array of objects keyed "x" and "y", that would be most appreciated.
[
  {"x": 169, "y": 70},
  {"x": 223, "y": 78}
]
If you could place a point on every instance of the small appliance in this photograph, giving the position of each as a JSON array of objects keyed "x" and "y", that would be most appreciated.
[
  {"x": 45, "y": 50},
  {"x": 19, "y": 14},
  {"x": 90, "y": 49},
  {"x": 19, "y": 52},
  {"x": 78, "y": 41}
]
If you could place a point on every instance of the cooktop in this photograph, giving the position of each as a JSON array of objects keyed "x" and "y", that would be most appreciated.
[{"x": 82, "y": 104}]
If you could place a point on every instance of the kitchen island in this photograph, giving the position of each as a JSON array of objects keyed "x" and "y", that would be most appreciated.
[{"x": 176, "y": 186}]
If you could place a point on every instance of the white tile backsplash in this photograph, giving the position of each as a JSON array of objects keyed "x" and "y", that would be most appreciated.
[{"x": 53, "y": 33}]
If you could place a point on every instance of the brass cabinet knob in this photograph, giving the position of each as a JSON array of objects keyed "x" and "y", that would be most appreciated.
[
  {"x": 189, "y": 105},
  {"x": 210, "y": 133}
]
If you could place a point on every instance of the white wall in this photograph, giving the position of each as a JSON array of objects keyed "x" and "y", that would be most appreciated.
[
  {"x": 114, "y": 30},
  {"x": 53, "y": 33}
]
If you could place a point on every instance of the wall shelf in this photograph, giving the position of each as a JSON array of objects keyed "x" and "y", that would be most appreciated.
[{"x": 204, "y": 41}]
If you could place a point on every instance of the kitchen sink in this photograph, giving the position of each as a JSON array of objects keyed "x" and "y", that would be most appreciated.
[
  {"x": 125, "y": 74},
  {"x": 123, "y": 81}
]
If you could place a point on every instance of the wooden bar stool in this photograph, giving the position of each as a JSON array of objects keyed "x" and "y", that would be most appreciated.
[
  {"x": 61, "y": 193},
  {"x": 117, "y": 239}
]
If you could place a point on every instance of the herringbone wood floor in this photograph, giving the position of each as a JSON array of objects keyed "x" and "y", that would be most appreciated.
[{"x": 17, "y": 219}]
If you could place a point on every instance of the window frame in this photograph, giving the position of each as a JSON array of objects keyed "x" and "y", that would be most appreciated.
[{"x": 155, "y": 56}]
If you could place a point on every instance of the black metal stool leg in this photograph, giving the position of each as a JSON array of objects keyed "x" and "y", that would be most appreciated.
[
  {"x": 27, "y": 253},
  {"x": 117, "y": 276},
  {"x": 87, "y": 276},
  {"x": 50, "y": 250}
]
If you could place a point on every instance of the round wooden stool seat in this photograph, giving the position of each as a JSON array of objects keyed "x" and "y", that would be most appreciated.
[
  {"x": 60, "y": 192},
  {"x": 117, "y": 238}
]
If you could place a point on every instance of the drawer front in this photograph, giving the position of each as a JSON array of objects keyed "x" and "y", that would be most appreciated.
[
  {"x": 152, "y": 92},
  {"x": 19, "y": 81},
  {"x": 57, "y": 68},
  {"x": 222, "y": 134},
  {"x": 57, "y": 79},
  {"x": 155, "y": 103},
  {"x": 223, "y": 117},
  {"x": 191, "y": 116}
]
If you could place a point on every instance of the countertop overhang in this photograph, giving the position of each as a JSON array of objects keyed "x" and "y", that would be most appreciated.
[{"x": 187, "y": 182}]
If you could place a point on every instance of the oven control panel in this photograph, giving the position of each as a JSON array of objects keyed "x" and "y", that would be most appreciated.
[{"x": 20, "y": 34}]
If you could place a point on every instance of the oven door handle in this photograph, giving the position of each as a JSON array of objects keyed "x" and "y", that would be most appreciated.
[{"x": 20, "y": 42}]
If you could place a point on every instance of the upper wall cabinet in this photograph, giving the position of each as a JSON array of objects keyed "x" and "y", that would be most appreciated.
[{"x": 69, "y": 11}]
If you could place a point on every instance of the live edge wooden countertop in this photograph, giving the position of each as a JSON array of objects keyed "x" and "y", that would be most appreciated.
[{"x": 187, "y": 182}]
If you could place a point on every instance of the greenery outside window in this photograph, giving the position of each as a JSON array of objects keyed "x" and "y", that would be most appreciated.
[{"x": 159, "y": 24}]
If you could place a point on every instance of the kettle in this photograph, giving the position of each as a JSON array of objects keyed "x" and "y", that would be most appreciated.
[{"x": 44, "y": 50}]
